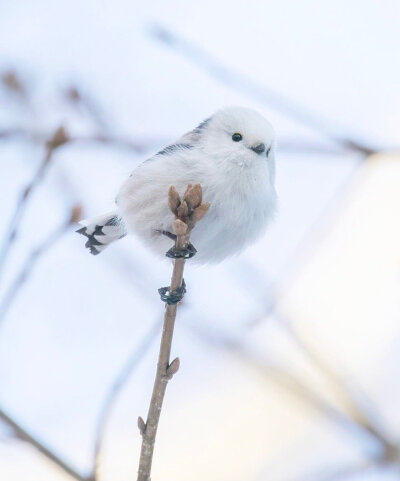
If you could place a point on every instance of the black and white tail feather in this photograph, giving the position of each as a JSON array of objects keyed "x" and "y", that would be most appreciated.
[{"x": 101, "y": 231}]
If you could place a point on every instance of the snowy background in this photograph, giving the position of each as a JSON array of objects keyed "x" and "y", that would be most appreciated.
[{"x": 289, "y": 353}]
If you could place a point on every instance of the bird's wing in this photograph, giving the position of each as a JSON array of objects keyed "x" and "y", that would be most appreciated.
[
  {"x": 185, "y": 143},
  {"x": 193, "y": 136}
]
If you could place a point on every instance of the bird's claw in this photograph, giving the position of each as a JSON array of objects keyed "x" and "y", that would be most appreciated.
[
  {"x": 187, "y": 253},
  {"x": 173, "y": 297},
  {"x": 167, "y": 233}
]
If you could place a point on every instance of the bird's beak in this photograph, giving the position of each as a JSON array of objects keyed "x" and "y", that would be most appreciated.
[{"x": 258, "y": 149}]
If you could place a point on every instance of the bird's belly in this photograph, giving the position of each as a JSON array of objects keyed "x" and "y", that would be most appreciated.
[
  {"x": 230, "y": 226},
  {"x": 239, "y": 213}
]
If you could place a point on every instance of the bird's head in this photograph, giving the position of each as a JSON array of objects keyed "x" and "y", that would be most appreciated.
[{"x": 239, "y": 136}]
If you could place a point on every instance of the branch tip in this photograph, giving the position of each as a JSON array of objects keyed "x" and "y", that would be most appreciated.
[
  {"x": 73, "y": 94},
  {"x": 11, "y": 80},
  {"x": 189, "y": 186},
  {"x": 76, "y": 214},
  {"x": 60, "y": 137},
  {"x": 193, "y": 196}
]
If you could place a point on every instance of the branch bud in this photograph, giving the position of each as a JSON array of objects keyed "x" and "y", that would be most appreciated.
[
  {"x": 180, "y": 228},
  {"x": 173, "y": 368},
  {"x": 174, "y": 201},
  {"x": 76, "y": 214},
  {"x": 200, "y": 212},
  {"x": 73, "y": 94},
  {"x": 193, "y": 196},
  {"x": 189, "y": 186},
  {"x": 12, "y": 81},
  {"x": 60, "y": 137},
  {"x": 141, "y": 425},
  {"x": 183, "y": 210}
]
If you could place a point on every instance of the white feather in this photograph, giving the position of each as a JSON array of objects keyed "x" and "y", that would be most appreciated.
[{"x": 238, "y": 183}]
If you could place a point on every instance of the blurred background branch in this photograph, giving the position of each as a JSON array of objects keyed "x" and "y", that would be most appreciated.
[
  {"x": 260, "y": 93},
  {"x": 58, "y": 139},
  {"x": 23, "y": 435},
  {"x": 33, "y": 258},
  {"x": 117, "y": 385}
]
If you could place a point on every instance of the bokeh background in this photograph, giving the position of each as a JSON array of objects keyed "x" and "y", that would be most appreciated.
[{"x": 290, "y": 352}]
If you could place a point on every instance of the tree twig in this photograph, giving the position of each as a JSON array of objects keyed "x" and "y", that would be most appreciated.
[
  {"x": 78, "y": 99},
  {"x": 288, "y": 145},
  {"x": 337, "y": 379},
  {"x": 290, "y": 383},
  {"x": 58, "y": 139},
  {"x": 260, "y": 93},
  {"x": 340, "y": 385},
  {"x": 116, "y": 387},
  {"x": 341, "y": 473},
  {"x": 115, "y": 140},
  {"x": 344, "y": 389},
  {"x": 14, "y": 84},
  {"x": 187, "y": 212},
  {"x": 32, "y": 259},
  {"x": 24, "y": 435}
]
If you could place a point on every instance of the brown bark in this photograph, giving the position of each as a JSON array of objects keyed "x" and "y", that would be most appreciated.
[{"x": 187, "y": 213}]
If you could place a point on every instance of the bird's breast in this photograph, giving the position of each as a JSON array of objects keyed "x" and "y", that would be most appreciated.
[{"x": 239, "y": 213}]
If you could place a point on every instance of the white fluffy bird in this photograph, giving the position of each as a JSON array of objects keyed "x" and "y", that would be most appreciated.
[{"x": 231, "y": 155}]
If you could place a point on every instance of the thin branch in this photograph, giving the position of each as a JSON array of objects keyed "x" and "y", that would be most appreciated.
[
  {"x": 340, "y": 385},
  {"x": 13, "y": 132},
  {"x": 348, "y": 419},
  {"x": 341, "y": 474},
  {"x": 298, "y": 146},
  {"x": 58, "y": 138},
  {"x": 93, "y": 109},
  {"x": 118, "y": 384},
  {"x": 10, "y": 295},
  {"x": 187, "y": 212},
  {"x": 24, "y": 435},
  {"x": 260, "y": 93},
  {"x": 32, "y": 259},
  {"x": 355, "y": 417},
  {"x": 287, "y": 381},
  {"x": 286, "y": 145},
  {"x": 117, "y": 141},
  {"x": 12, "y": 82},
  {"x": 336, "y": 379}
]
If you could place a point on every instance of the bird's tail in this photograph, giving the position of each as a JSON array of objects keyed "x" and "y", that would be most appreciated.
[{"x": 101, "y": 231}]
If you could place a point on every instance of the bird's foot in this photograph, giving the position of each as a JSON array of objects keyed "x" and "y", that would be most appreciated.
[
  {"x": 172, "y": 297},
  {"x": 187, "y": 253},
  {"x": 167, "y": 233}
]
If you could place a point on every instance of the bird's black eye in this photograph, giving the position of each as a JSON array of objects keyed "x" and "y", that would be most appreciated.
[{"x": 236, "y": 137}]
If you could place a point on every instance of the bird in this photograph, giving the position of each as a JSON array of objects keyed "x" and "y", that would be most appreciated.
[{"x": 232, "y": 156}]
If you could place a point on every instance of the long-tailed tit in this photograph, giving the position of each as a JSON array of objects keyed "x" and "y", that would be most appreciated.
[{"x": 231, "y": 155}]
